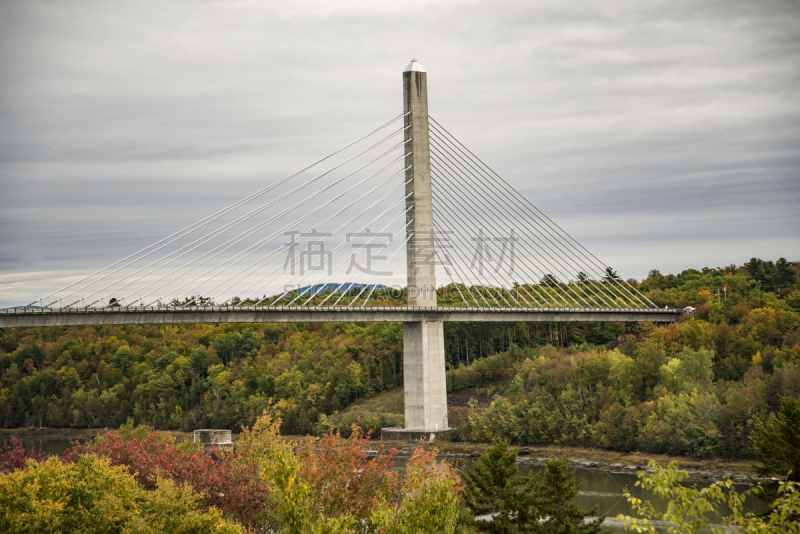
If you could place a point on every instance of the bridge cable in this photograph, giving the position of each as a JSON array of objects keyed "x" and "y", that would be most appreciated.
[
  {"x": 580, "y": 248},
  {"x": 232, "y": 224},
  {"x": 483, "y": 286},
  {"x": 439, "y": 192},
  {"x": 260, "y": 244},
  {"x": 487, "y": 196},
  {"x": 217, "y": 214},
  {"x": 394, "y": 190},
  {"x": 523, "y": 218},
  {"x": 248, "y": 233},
  {"x": 442, "y": 185},
  {"x": 340, "y": 246},
  {"x": 403, "y": 228},
  {"x": 533, "y": 286}
]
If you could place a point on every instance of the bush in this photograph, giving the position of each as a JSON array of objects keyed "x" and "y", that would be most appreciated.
[{"x": 91, "y": 495}]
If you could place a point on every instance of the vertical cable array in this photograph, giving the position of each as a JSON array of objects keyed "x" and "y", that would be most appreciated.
[{"x": 488, "y": 217}]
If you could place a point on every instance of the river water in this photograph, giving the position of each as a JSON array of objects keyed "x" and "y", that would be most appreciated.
[{"x": 597, "y": 487}]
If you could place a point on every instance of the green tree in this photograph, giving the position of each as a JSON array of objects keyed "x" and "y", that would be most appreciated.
[
  {"x": 692, "y": 510},
  {"x": 762, "y": 272},
  {"x": 492, "y": 486},
  {"x": 785, "y": 276},
  {"x": 235, "y": 345},
  {"x": 555, "y": 493},
  {"x": 776, "y": 445},
  {"x": 611, "y": 276},
  {"x": 549, "y": 280},
  {"x": 688, "y": 367}
]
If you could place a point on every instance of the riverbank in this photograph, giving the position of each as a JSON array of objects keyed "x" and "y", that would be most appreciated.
[{"x": 699, "y": 469}]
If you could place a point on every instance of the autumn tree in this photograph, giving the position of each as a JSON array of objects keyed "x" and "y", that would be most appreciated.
[{"x": 93, "y": 496}]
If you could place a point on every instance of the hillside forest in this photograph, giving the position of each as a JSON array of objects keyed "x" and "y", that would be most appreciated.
[{"x": 695, "y": 387}]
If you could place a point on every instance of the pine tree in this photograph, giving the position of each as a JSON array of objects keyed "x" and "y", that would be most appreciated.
[
  {"x": 493, "y": 487},
  {"x": 556, "y": 491},
  {"x": 611, "y": 276},
  {"x": 776, "y": 445},
  {"x": 785, "y": 276},
  {"x": 762, "y": 272}
]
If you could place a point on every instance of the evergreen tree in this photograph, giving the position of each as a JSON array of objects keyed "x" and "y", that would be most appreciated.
[
  {"x": 549, "y": 280},
  {"x": 611, "y": 276},
  {"x": 762, "y": 272},
  {"x": 785, "y": 276},
  {"x": 556, "y": 491},
  {"x": 776, "y": 445},
  {"x": 493, "y": 487}
]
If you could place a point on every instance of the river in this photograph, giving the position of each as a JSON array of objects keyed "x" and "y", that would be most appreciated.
[{"x": 597, "y": 487}]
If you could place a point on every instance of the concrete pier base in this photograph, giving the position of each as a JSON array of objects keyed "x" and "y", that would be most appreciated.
[
  {"x": 213, "y": 439},
  {"x": 424, "y": 376}
]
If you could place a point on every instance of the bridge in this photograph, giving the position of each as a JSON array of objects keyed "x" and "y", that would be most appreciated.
[{"x": 438, "y": 207}]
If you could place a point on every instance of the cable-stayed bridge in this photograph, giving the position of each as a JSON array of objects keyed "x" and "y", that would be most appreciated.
[{"x": 402, "y": 224}]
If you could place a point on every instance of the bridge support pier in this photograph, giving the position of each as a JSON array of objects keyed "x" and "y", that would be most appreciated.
[
  {"x": 423, "y": 342},
  {"x": 424, "y": 383},
  {"x": 424, "y": 376}
]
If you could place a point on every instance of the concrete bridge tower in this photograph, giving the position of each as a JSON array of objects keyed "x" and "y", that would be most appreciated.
[{"x": 423, "y": 341}]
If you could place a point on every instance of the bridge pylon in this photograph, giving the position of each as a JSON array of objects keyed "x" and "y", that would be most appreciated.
[{"x": 423, "y": 341}]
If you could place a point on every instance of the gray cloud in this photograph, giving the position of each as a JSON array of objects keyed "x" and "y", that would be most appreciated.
[{"x": 623, "y": 121}]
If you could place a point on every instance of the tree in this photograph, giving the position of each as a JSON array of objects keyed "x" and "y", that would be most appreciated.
[
  {"x": 493, "y": 487},
  {"x": 583, "y": 278},
  {"x": 693, "y": 510},
  {"x": 549, "y": 280},
  {"x": 427, "y": 501},
  {"x": 91, "y": 495},
  {"x": 785, "y": 275},
  {"x": 688, "y": 367},
  {"x": 13, "y": 455},
  {"x": 762, "y": 272},
  {"x": 611, "y": 276},
  {"x": 555, "y": 493},
  {"x": 776, "y": 445}
]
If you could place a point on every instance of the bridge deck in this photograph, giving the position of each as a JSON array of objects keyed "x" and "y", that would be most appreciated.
[{"x": 247, "y": 314}]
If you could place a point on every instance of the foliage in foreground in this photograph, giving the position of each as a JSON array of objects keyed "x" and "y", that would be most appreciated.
[
  {"x": 13, "y": 455},
  {"x": 502, "y": 502},
  {"x": 776, "y": 445},
  {"x": 698, "y": 510},
  {"x": 271, "y": 484},
  {"x": 91, "y": 495}
]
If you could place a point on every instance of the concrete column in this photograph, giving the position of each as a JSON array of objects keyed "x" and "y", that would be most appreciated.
[
  {"x": 420, "y": 258},
  {"x": 423, "y": 342},
  {"x": 424, "y": 376}
]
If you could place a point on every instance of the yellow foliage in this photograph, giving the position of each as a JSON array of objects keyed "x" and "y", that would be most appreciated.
[{"x": 93, "y": 496}]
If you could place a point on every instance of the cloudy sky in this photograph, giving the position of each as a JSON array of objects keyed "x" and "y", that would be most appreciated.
[{"x": 660, "y": 134}]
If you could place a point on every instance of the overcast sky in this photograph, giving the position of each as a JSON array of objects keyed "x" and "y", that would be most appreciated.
[{"x": 660, "y": 134}]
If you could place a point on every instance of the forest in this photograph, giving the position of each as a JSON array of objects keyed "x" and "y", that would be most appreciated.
[{"x": 696, "y": 387}]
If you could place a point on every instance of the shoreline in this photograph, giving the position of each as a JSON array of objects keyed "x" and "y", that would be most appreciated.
[{"x": 699, "y": 469}]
